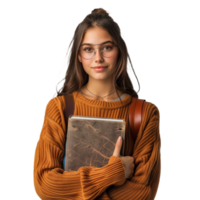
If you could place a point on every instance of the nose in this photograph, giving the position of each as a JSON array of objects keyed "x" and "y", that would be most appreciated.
[{"x": 98, "y": 56}]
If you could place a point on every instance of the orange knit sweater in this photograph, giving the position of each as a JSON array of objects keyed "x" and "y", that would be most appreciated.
[{"x": 109, "y": 182}]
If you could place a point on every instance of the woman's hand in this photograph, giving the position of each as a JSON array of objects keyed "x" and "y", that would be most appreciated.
[{"x": 128, "y": 161}]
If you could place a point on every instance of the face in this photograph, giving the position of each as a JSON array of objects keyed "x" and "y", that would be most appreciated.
[{"x": 96, "y": 36}]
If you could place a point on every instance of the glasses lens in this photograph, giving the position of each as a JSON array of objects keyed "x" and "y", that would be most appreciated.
[
  {"x": 107, "y": 50},
  {"x": 86, "y": 51}
]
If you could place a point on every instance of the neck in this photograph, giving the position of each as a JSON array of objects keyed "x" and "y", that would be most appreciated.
[{"x": 101, "y": 90}]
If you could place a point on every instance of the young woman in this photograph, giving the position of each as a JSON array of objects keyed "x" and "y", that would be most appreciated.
[{"x": 97, "y": 77}]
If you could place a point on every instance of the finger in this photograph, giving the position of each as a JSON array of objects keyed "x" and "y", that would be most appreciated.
[{"x": 117, "y": 148}]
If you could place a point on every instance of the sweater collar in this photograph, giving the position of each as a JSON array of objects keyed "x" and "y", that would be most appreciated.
[{"x": 102, "y": 104}]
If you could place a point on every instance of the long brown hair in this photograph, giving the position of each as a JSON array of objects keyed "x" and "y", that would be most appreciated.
[{"x": 76, "y": 77}]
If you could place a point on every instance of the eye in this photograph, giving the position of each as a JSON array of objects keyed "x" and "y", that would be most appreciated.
[
  {"x": 88, "y": 49},
  {"x": 107, "y": 47}
]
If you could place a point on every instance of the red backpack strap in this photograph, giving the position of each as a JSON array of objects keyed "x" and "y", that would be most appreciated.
[
  {"x": 69, "y": 107},
  {"x": 136, "y": 114}
]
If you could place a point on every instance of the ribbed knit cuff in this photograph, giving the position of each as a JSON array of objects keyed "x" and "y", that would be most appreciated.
[{"x": 119, "y": 168}]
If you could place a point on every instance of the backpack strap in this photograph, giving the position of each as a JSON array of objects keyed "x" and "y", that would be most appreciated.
[
  {"x": 136, "y": 114},
  {"x": 69, "y": 107}
]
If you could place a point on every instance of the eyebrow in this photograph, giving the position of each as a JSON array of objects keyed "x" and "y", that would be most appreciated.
[{"x": 96, "y": 44}]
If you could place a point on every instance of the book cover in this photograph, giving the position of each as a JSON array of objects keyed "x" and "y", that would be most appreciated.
[{"x": 91, "y": 141}]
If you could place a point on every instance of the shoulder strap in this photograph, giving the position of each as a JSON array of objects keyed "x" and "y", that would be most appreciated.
[
  {"x": 136, "y": 114},
  {"x": 69, "y": 107}
]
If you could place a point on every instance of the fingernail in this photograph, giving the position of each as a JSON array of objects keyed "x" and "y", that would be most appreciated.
[{"x": 119, "y": 139}]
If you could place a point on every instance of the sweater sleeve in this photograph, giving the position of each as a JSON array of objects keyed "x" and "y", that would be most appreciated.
[
  {"x": 145, "y": 180},
  {"x": 51, "y": 181}
]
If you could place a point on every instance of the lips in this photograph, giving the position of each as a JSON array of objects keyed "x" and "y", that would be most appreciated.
[{"x": 99, "y": 67}]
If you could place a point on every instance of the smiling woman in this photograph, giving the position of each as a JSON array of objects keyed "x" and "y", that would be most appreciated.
[{"x": 109, "y": 93}]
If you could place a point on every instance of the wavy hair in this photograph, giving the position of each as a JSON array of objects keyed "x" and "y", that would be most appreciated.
[{"x": 76, "y": 77}]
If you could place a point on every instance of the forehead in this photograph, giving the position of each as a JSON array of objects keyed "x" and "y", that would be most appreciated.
[{"x": 96, "y": 35}]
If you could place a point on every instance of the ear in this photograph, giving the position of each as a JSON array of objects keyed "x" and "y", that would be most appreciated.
[{"x": 79, "y": 58}]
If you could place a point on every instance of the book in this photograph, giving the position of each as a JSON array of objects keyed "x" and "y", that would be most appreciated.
[{"x": 91, "y": 141}]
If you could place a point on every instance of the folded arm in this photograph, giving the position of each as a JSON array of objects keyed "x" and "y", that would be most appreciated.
[{"x": 144, "y": 183}]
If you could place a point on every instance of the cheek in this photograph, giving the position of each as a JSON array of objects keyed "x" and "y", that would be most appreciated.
[
  {"x": 112, "y": 60},
  {"x": 86, "y": 63}
]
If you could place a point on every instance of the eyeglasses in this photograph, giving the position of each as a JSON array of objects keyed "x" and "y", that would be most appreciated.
[{"x": 107, "y": 50}]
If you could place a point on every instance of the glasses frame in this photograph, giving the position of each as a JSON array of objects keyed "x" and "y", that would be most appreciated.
[{"x": 97, "y": 48}]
